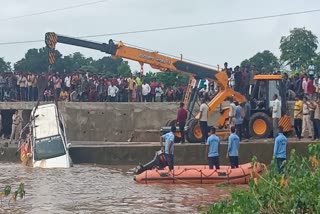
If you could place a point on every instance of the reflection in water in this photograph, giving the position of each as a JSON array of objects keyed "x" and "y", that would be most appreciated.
[{"x": 93, "y": 189}]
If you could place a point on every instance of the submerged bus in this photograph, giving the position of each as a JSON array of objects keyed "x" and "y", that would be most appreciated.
[{"x": 50, "y": 148}]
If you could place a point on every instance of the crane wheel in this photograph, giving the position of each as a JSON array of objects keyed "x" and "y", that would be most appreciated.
[
  {"x": 260, "y": 125},
  {"x": 194, "y": 134}
]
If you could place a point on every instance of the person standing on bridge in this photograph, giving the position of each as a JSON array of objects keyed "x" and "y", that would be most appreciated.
[
  {"x": 233, "y": 148},
  {"x": 181, "y": 120},
  {"x": 246, "y": 119},
  {"x": 112, "y": 92},
  {"x": 168, "y": 146},
  {"x": 232, "y": 113},
  {"x": 203, "y": 118},
  {"x": 212, "y": 149},
  {"x": 280, "y": 149},
  {"x": 297, "y": 115},
  {"x": 1, "y": 134},
  {"x": 239, "y": 120},
  {"x": 16, "y": 121},
  {"x": 276, "y": 114}
]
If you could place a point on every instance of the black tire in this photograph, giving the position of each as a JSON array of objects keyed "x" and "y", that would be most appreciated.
[
  {"x": 167, "y": 123},
  {"x": 262, "y": 116},
  {"x": 191, "y": 137},
  {"x": 172, "y": 123}
]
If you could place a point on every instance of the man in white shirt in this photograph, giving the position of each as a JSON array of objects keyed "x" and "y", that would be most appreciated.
[
  {"x": 276, "y": 114},
  {"x": 232, "y": 113},
  {"x": 203, "y": 118},
  {"x": 145, "y": 91},
  {"x": 67, "y": 83},
  {"x": 112, "y": 92}
]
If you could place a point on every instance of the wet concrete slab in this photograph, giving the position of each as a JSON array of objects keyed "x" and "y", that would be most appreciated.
[{"x": 133, "y": 153}]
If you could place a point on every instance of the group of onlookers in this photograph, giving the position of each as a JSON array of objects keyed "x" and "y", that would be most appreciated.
[
  {"x": 80, "y": 86},
  {"x": 241, "y": 79},
  {"x": 307, "y": 117}
]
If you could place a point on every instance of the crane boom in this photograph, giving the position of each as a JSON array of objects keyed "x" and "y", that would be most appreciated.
[{"x": 155, "y": 60}]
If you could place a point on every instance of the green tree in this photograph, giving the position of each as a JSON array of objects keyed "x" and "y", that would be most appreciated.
[
  {"x": 316, "y": 63},
  {"x": 89, "y": 69},
  {"x": 124, "y": 69},
  {"x": 37, "y": 60},
  {"x": 299, "y": 48},
  {"x": 77, "y": 61},
  {"x": 168, "y": 78},
  {"x": 264, "y": 61},
  {"x": 4, "y": 66},
  {"x": 112, "y": 67},
  {"x": 245, "y": 63}
]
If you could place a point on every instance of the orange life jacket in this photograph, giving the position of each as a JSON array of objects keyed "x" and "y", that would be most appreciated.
[{"x": 25, "y": 149}]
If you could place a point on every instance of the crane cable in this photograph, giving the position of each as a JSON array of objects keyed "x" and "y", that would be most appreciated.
[{"x": 175, "y": 27}]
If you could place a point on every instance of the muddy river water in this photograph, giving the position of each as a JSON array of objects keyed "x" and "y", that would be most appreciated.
[{"x": 99, "y": 189}]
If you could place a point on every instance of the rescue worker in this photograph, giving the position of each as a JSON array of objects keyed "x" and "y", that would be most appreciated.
[
  {"x": 25, "y": 152},
  {"x": 212, "y": 149},
  {"x": 280, "y": 149},
  {"x": 168, "y": 146},
  {"x": 233, "y": 148},
  {"x": 181, "y": 120},
  {"x": 16, "y": 121}
]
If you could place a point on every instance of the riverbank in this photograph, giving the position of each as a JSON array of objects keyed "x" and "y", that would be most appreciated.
[{"x": 133, "y": 153}]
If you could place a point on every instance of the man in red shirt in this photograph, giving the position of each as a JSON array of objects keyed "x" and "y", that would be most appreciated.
[
  {"x": 181, "y": 120},
  {"x": 311, "y": 89}
]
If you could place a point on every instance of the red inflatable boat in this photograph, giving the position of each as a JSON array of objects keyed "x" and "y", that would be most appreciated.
[{"x": 200, "y": 174}]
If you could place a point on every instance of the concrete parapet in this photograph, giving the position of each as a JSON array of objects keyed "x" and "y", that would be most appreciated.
[
  {"x": 112, "y": 122},
  {"x": 133, "y": 154}
]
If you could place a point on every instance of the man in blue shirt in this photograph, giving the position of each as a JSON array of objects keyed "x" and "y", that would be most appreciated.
[
  {"x": 168, "y": 146},
  {"x": 212, "y": 149},
  {"x": 233, "y": 148},
  {"x": 280, "y": 148}
]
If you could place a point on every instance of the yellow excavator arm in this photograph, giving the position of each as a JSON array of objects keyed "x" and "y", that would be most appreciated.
[
  {"x": 158, "y": 61},
  {"x": 154, "y": 59}
]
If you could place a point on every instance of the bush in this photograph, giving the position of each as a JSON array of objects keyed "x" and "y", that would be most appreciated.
[
  {"x": 9, "y": 194},
  {"x": 297, "y": 190}
]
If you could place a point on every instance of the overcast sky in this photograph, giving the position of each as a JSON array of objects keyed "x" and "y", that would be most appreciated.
[{"x": 210, "y": 44}]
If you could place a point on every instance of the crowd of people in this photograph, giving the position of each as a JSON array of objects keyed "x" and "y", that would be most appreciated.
[
  {"x": 241, "y": 79},
  {"x": 85, "y": 87},
  {"x": 81, "y": 86}
]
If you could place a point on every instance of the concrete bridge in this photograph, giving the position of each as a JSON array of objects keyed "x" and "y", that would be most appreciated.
[{"x": 107, "y": 122}]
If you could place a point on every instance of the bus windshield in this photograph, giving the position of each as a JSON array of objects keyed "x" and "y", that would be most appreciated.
[{"x": 49, "y": 147}]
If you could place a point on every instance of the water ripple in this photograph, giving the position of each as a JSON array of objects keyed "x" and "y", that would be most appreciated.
[{"x": 88, "y": 189}]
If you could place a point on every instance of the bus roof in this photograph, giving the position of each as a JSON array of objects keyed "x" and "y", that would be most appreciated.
[
  {"x": 46, "y": 124},
  {"x": 268, "y": 77}
]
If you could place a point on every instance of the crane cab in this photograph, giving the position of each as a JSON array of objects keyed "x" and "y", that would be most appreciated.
[{"x": 260, "y": 124}]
